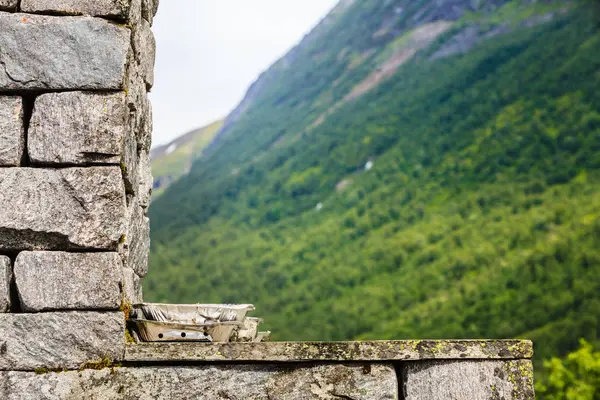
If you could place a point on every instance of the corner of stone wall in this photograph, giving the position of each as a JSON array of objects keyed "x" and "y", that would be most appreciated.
[{"x": 75, "y": 180}]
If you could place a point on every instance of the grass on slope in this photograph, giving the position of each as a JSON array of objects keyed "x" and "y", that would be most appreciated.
[
  {"x": 172, "y": 160},
  {"x": 480, "y": 217}
]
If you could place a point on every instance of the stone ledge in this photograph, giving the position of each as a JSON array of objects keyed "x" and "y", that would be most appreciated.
[{"x": 294, "y": 352}]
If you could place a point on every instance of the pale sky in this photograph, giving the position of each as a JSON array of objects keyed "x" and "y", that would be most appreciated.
[{"x": 210, "y": 51}]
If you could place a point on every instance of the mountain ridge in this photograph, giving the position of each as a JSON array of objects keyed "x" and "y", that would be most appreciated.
[{"x": 476, "y": 215}]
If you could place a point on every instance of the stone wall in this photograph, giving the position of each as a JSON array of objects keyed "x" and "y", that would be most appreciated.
[
  {"x": 388, "y": 370},
  {"x": 75, "y": 182}
]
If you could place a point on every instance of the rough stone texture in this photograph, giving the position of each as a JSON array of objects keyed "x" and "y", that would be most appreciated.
[
  {"x": 144, "y": 47},
  {"x": 12, "y": 132},
  {"x": 132, "y": 287},
  {"x": 68, "y": 281},
  {"x": 78, "y": 128},
  {"x": 57, "y": 53},
  {"x": 145, "y": 139},
  {"x": 472, "y": 380},
  {"x": 149, "y": 9},
  {"x": 139, "y": 105},
  {"x": 65, "y": 209},
  {"x": 332, "y": 351},
  {"x": 59, "y": 339},
  {"x": 8, "y": 5},
  {"x": 359, "y": 382},
  {"x": 130, "y": 164},
  {"x": 146, "y": 180},
  {"x": 117, "y": 9},
  {"x": 136, "y": 246},
  {"x": 5, "y": 280}
]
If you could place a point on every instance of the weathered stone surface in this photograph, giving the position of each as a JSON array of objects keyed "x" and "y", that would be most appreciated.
[
  {"x": 12, "y": 132},
  {"x": 65, "y": 209},
  {"x": 149, "y": 9},
  {"x": 8, "y": 5},
  {"x": 68, "y": 281},
  {"x": 130, "y": 163},
  {"x": 146, "y": 180},
  {"x": 333, "y": 351},
  {"x": 145, "y": 138},
  {"x": 144, "y": 47},
  {"x": 60, "y": 339},
  {"x": 136, "y": 246},
  {"x": 472, "y": 380},
  {"x": 78, "y": 128},
  {"x": 139, "y": 104},
  {"x": 118, "y": 9},
  {"x": 135, "y": 12},
  {"x": 56, "y": 53},
  {"x": 5, "y": 280},
  {"x": 132, "y": 287},
  {"x": 360, "y": 382}
]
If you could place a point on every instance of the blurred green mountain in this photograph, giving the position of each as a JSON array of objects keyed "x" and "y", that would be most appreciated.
[
  {"x": 412, "y": 169},
  {"x": 172, "y": 160}
]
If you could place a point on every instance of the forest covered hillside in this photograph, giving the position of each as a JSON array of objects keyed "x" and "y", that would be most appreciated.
[
  {"x": 413, "y": 169},
  {"x": 174, "y": 159}
]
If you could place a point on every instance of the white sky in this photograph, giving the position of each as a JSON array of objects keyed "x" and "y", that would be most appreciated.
[{"x": 210, "y": 51}]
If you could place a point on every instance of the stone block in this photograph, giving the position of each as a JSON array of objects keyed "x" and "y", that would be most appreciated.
[
  {"x": 472, "y": 380},
  {"x": 115, "y": 9},
  {"x": 61, "y": 209},
  {"x": 136, "y": 246},
  {"x": 132, "y": 287},
  {"x": 145, "y": 137},
  {"x": 137, "y": 98},
  {"x": 149, "y": 9},
  {"x": 12, "y": 131},
  {"x": 256, "y": 382},
  {"x": 146, "y": 180},
  {"x": 8, "y": 5},
  {"x": 144, "y": 47},
  {"x": 59, "y": 340},
  {"x": 61, "y": 53},
  {"x": 49, "y": 281},
  {"x": 5, "y": 281},
  {"x": 78, "y": 128},
  {"x": 130, "y": 162}
]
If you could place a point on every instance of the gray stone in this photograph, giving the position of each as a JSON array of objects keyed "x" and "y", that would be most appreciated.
[
  {"x": 8, "y": 5},
  {"x": 145, "y": 138},
  {"x": 132, "y": 287},
  {"x": 12, "y": 131},
  {"x": 60, "y": 339},
  {"x": 136, "y": 246},
  {"x": 78, "y": 128},
  {"x": 390, "y": 350},
  {"x": 139, "y": 105},
  {"x": 144, "y": 47},
  {"x": 58, "y": 53},
  {"x": 135, "y": 12},
  {"x": 130, "y": 162},
  {"x": 472, "y": 380},
  {"x": 5, "y": 281},
  {"x": 118, "y": 9},
  {"x": 62, "y": 209},
  {"x": 149, "y": 9},
  {"x": 146, "y": 180},
  {"x": 68, "y": 281},
  {"x": 257, "y": 382}
]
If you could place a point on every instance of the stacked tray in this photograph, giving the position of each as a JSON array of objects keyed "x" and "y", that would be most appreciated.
[{"x": 152, "y": 322}]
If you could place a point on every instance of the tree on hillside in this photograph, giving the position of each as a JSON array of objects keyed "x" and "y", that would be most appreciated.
[{"x": 577, "y": 377}]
